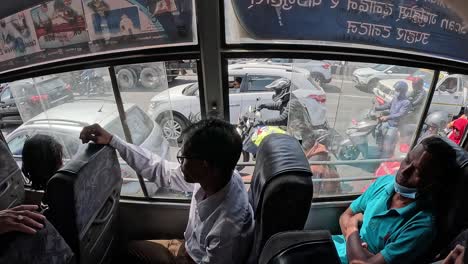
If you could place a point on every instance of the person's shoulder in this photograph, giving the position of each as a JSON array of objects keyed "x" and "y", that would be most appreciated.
[{"x": 385, "y": 180}]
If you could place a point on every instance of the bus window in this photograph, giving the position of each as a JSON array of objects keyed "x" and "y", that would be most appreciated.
[
  {"x": 165, "y": 101},
  {"x": 343, "y": 116}
]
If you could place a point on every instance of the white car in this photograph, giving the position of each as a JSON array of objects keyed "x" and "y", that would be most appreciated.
[
  {"x": 184, "y": 106},
  {"x": 319, "y": 70},
  {"x": 368, "y": 78}
]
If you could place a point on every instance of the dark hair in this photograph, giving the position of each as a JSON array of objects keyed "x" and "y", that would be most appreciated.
[
  {"x": 42, "y": 157},
  {"x": 214, "y": 140},
  {"x": 442, "y": 192},
  {"x": 238, "y": 79}
]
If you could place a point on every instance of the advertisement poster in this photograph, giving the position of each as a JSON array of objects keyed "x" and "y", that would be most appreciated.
[
  {"x": 166, "y": 21},
  {"x": 59, "y": 23},
  {"x": 428, "y": 26},
  {"x": 17, "y": 36}
]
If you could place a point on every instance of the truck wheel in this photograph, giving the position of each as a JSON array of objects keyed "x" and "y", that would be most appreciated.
[
  {"x": 150, "y": 78},
  {"x": 172, "y": 128},
  {"x": 127, "y": 79}
]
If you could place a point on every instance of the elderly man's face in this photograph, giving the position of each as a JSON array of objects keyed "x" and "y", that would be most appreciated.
[{"x": 418, "y": 169}]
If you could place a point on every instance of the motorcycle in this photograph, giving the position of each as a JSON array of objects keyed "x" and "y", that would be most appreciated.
[
  {"x": 356, "y": 140},
  {"x": 90, "y": 83}
]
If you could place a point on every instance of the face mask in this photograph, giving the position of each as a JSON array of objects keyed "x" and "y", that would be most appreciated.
[{"x": 406, "y": 192}]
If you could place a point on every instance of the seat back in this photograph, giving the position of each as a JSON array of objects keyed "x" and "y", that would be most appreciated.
[
  {"x": 281, "y": 190},
  {"x": 11, "y": 179},
  {"x": 44, "y": 247},
  {"x": 300, "y": 247},
  {"x": 83, "y": 199}
]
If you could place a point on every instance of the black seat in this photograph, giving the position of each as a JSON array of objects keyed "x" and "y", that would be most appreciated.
[
  {"x": 11, "y": 179},
  {"x": 281, "y": 190},
  {"x": 83, "y": 199},
  {"x": 299, "y": 247},
  {"x": 44, "y": 247}
]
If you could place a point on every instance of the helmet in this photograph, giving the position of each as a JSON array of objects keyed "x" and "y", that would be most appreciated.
[
  {"x": 280, "y": 87},
  {"x": 401, "y": 87},
  {"x": 437, "y": 120},
  {"x": 418, "y": 83}
]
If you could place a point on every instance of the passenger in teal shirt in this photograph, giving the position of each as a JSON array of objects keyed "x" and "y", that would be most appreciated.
[{"x": 397, "y": 212}]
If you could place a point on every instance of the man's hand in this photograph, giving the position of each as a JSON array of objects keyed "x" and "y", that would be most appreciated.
[
  {"x": 352, "y": 225},
  {"x": 95, "y": 133},
  {"x": 383, "y": 118},
  {"x": 21, "y": 219},
  {"x": 456, "y": 255}
]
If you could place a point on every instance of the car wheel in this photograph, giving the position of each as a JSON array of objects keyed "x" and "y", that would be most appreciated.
[
  {"x": 172, "y": 128},
  {"x": 127, "y": 79},
  {"x": 348, "y": 152},
  {"x": 149, "y": 78},
  {"x": 371, "y": 85},
  {"x": 318, "y": 77}
]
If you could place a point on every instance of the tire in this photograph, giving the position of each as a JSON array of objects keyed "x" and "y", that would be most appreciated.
[
  {"x": 150, "y": 78},
  {"x": 127, "y": 79},
  {"x": 348, "y": 152},
  {"x": 318, "y": 77},
  {"x": 172, "y": 128},
  {"x": 371, "y": 85}
]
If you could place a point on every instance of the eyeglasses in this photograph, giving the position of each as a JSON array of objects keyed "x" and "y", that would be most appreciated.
[{"x": 181, "y": 158}]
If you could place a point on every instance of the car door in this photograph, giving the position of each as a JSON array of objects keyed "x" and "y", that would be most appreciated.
[
  {"x": 6, "y": 97},
  {"x": 448, "y": 96},
  {"x": 235, "y": 97},
  {"x": 256, "y": 90}
]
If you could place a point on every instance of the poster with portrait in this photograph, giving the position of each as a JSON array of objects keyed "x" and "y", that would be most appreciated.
[
  {"x": 17, "y": 37},
  {"x": 139, "y": 22},
  {"x": 59, "y": 23}
]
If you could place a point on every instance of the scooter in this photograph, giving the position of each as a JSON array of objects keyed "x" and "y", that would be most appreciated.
[{"x": 356, "y": 140}]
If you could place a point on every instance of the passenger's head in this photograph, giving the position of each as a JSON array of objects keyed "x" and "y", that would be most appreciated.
[
  {"x": 418, "y": 84},
  {"x": 42, "y": 157},
  {"x": 210, "y": 151},
  {"x": 428, "y": 166},
  {"x": 237, "y": 82},
  {"x": 400, "y": 89}
]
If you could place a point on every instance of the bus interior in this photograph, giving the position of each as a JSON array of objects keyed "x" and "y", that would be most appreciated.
[{"x": 145, "y": 70}]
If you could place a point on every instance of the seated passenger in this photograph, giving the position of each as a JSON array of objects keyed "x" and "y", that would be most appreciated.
[
  {"x": 458, "y": 129},
  {"x": 221, "y": 219},
  {"x": 401, "y": 214},
  {"x": 23, "y": 218},
  {"x": 42, "y": 157}
]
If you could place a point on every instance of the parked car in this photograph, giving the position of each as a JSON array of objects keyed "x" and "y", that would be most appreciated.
[
  {"x": 451, "y": 93},
  {"x": 33, "y": 95},
  {"x": 319, "y": 70},
  {"x": 182, "y": 102},
  {"x": 65, "y": 122},
  {"x": 368, "y": 78}
]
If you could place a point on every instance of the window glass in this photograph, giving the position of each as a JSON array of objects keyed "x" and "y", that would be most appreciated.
[
  {"x": 333, "y": 111},
  {"x": 258, "y": 83},
  {"x": 93, "y": 27},
  {"x": 6, "y": 95},
  {"x": 60, "y": 105},
  {"x": 163, "y": 100}
]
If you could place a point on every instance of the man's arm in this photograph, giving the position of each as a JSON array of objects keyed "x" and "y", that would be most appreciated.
[
  {"x": 419, "y": 99},
  {"x": 383, "y": 107},
  {"x": 271, "y": 106},
  {"x": 150, "y": 166},
  {"x": 281, "y": 120},
  {"x": 402, "y": 111},
  {"x": 356, "y": 253}
]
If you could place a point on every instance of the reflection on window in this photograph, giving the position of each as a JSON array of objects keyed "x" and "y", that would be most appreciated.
[{"x": 356, "y": 119}]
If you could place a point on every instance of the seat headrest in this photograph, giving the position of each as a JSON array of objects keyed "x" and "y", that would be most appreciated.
[{"x": 278, "y": 154}]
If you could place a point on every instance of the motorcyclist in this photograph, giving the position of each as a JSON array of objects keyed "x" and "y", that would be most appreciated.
[
  {"x": 399, "y": 107},
  {"x": 419, "y": 94},
  {"x": 290, "y": 108},
  {"x": 435, "y": 124}
]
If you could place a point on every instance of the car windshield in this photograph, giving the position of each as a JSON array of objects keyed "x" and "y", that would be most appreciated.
[
  {"x": 190, "y": 90},
  {"x": 380, "y": 67}
]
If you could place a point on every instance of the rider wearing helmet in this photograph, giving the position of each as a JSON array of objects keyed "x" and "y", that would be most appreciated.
[
  {"x": 419, "y": 94},
  {"x": 399, "y": 107},
  {"x": 282, "y": 89},
  {"x": 435, "y": 123}
]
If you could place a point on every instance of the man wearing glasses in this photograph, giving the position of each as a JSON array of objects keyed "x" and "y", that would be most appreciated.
[{"x": 220, "y": 222}]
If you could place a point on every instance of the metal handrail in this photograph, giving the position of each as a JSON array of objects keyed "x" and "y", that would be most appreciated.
[{"x": 338, "y": 162}]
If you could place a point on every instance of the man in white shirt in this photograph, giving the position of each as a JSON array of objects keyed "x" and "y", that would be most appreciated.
[{"x": 220, "y": 224}]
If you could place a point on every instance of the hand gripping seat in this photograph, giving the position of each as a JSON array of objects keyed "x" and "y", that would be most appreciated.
[
  {"x": 281, "y": 191},
  {"x": 83, "y": 199},
  {"x": 45, "y": 247},
  {"x": 300, "y": 247},
  {"x": 11, "y": 179}
]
